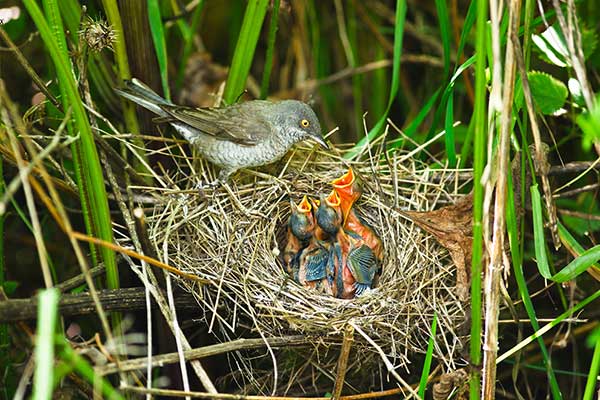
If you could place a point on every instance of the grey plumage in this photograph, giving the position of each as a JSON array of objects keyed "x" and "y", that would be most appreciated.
[{"x": 242, "y": 135}]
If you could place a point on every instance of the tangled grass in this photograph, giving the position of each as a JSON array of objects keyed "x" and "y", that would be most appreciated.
[{"x": 233, "y": 237}]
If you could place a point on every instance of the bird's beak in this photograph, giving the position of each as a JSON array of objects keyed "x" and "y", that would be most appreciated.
[
  {"x": 345, "y": 180},
  {"x": 333, "y": 200},
  {"x": 319, "y": 139},
  {"x": 304, "y": 206},
  {"x": 348, "y": 189}
]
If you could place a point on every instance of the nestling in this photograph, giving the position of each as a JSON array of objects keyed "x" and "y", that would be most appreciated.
[{"x": 248, "y": 134}]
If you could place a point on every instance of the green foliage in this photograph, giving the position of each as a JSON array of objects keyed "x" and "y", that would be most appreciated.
[
  {"x": 549, "y": 94},
  {"x": 160, "y": 47},
  {"x": 589, "y": 122},
  {"x": 244, "y": 49},
  {"x": 428, "y": 359}
]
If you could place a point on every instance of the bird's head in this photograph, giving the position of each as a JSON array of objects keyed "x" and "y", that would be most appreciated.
[
  {"x": 349, "y": 189},
  {"x": 302, "y": 221},
  {"x": 299, "y": 121},
  {"x": 329, "y": 214}
]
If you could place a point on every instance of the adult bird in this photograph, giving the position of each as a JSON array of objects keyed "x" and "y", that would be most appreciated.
[
  {"x": 352, "y": 260},
  {"x": 301, "y": 225},
  {"x": 241, "y": 135},
  {"x": 349, "y": 190}
]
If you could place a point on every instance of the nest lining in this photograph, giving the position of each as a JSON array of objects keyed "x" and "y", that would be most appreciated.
[{"x": 234, "y": 236}]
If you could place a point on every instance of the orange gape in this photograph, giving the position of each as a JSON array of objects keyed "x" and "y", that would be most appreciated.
[{"x": 349, "y": 190}]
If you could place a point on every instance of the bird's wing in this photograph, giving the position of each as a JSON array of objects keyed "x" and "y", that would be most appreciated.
[
  {"x": 363, "y": 264},
  {"x": 316, "y": 263},
  {"x": 240, "y": 124}
]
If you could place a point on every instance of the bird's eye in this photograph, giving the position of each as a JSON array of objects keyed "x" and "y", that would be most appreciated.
[{"x": 304, "y": 123}]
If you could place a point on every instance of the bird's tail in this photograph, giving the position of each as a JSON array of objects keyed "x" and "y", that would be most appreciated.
[{"x": 138, "y": 92}]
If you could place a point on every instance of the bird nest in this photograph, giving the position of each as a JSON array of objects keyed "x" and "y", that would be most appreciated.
[{"x": 233, "y": 237}]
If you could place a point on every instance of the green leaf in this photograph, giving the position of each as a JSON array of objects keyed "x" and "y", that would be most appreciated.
[
  {"x": 160, "y": 46},
  {"x": 428, "y": 358},
  {"x": 589, "y": 122},
  {"x": 244, "y": 49},
  {"x": 587, "y": 259},
  {"x": 548, "y": 92},
  {"x": 538, "y": 233},
  {"x": 590, "y": 386},
  {"x": 9, "y": 287}
]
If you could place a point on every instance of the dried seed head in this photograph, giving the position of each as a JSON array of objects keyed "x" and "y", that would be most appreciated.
[{"x": 97, "y": 34}]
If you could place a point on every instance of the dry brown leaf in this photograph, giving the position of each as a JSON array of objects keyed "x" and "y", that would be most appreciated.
[{"x": 452, "y": 227}]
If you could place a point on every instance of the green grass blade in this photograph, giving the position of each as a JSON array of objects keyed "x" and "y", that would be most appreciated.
[
  {"x": 546, "y": 328},
  {"x": 579, "y": 265},
  {"x": 538, "y": 233},
  {"x": 569, "y": 241},
  {"x": 264, "y": 87},
  {"x": 92, "y": 177},
  {"x": 160, "y": 47},
  {"x": 444, "y": 21},
  {"x": 592, "y": 381},
  {"x": 44, "y": 343},
  {"x": 479, "y": 138},
  {"x": 428, "y": 358},
  {"x": 517, "y": 262},
  {"x": 398, "y": 36},
  {"x": 189, "y": 44},
  {"x": 449, "y": 136},
  {"x": 244, "y": 49}
]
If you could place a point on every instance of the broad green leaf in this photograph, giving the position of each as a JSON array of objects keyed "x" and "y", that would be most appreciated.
[{"x": 549, "y": 94}]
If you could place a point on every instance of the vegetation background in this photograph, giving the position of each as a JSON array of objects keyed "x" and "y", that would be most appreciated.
[{"x": 521, "y": 77}]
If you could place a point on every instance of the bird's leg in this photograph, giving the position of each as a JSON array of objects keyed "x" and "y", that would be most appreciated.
[
  {"x": 224, "y": 174},
  {"x": 220, "y": 181}
]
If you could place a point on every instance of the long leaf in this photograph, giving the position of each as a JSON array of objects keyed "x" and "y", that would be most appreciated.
[
  {"x": 428, "y": 358},
  {"x": 160, "y": 47},
  {"x": 517, "y": 262},
  {"x": 538, "y": 233},
  {"x": 590, "y": 386},
  {"x": 244, "y": 49},
  {"x": 480, "y": 133}
]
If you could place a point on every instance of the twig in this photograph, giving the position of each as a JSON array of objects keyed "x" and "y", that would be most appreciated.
[
  {"x": 227, "y": 396},
  {"x": 343, "y": 362},
  {"x": 206, "y": 351},
  {"x": 80, "y": 279},
  {"x": 128, "y": 299}
]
